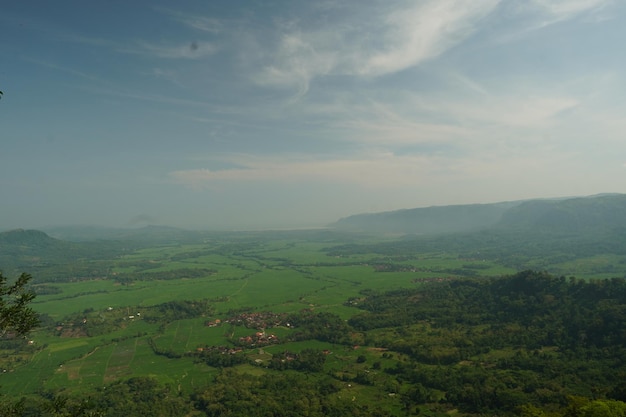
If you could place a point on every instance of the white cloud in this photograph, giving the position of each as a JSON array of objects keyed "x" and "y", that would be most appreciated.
[
  {"x": 300, "y": 58},
  {"x": 424, "y": 31},
  {"x": 405, "y": 37}
]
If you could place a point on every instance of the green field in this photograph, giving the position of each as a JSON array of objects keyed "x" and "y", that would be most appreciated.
[
  {"x": 282, "y": 276},
  {"x": 103, "y": 329}
]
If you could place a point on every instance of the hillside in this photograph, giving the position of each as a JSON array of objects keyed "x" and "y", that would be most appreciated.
[
  {"x": 20, "y": 249},
  {"x": 574, "y": 215},
  {"x": 26, "y": 238},
  {"x": 562, "y": 215},
  {"x": 583, "y": 236},
  {"x": 41, "y": 255},
  {"x": 427, "y": 220}
]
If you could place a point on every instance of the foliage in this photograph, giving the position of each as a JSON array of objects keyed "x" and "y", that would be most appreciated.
[
  {"x": 285, "y": 394},
  {"x": 326, "y": 327},
  {"x": 16, "y": 317},
  {"x": 308, "y": 360},
  {"x": 133, "y": 397},
  {"x": 497, "y": 344},
  {"x": 178, "y": 310},
  {"x": 221, "y": 357}
]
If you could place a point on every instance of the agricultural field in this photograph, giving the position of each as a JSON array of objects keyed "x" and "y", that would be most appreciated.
[
  {"x": 100, "y": 329},
  {"x": 182, "y": 313}
]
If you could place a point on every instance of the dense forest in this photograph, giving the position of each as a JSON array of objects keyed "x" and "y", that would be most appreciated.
[
  {"x": 499, "y": 344},
  {"x": 529, "y": 344}
]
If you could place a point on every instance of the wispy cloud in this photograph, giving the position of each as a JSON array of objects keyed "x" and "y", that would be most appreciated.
[
  {"x": 464, "y": 178},
  {"x": 405, "y": 37},
  {"x": 187, "y": 50},
  {"x": 192, "y": 49},
  {"x": 299, "y": 59},
  {"x": 451, "y": 117},
  {"x": 159, "y": 98},
  {"x": 168, "y": 75},
  {"x": 566, "y": 9},
  {"x": 205, "y": 24},
  {"x": 538, "y": 14},
  {"x": 198, "y": 22},
  {"x": 69, "y": 70},
  {"x": 370, "y": 171},
  {"x": 510, "y": 112},
  {"x": 389, "y": 124},
  {"x": 422, "y": 32}
]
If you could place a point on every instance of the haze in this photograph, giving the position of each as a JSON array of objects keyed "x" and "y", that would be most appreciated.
[{"x": 251, "y": 114}]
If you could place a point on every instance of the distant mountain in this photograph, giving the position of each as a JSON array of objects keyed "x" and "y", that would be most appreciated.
[
  {"x": 428, "y": 220},
  {"x": 555, "y": 215},
  {"x": 574, "y": 215}
]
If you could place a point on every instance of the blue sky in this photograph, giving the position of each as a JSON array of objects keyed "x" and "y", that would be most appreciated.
[{"x": 271, "y": 114}]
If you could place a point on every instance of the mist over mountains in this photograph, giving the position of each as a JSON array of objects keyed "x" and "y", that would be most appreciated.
[
  {"x": 569, "y": 215},
  {"x": 597, "y": 221}
]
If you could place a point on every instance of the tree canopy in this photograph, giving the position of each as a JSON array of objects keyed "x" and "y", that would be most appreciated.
[{"x": 15, "y": 314}]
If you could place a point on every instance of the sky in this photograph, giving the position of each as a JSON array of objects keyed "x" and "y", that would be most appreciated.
[{"x": 248, "y": 114}]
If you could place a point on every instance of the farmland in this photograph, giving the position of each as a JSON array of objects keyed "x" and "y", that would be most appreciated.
[
  {"x": 180, "y": 313},
  {"x": 283, "y": 276}
]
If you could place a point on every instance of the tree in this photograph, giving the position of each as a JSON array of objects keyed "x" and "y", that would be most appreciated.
[
  {"x": 604, "y": 408},
  {"x": 15, "y": 314}
]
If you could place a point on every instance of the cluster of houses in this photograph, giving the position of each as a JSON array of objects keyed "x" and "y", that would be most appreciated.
[
  {"x": 214, "y": 323},
  {"x": 256, "y": 320},
  {"x": 259, "y": 338}
]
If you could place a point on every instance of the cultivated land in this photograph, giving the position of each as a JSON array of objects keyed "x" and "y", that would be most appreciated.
[
  {"x": 282, "y": 276},
  {"x": 181, "y": 311}
]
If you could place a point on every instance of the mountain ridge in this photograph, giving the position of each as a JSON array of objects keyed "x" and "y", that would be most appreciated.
[{"x": 566, "y": 213}]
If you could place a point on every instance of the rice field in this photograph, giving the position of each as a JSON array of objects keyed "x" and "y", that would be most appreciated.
[{"x": 280, "y": 276}]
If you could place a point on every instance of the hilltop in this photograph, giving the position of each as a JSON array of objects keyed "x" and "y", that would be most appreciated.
[{"x": 26, "y": 238}]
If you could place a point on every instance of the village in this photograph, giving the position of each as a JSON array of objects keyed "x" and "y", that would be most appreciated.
[{"x": 254, "y": 320}]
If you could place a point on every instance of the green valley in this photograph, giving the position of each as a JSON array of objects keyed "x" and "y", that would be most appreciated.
[{"x": 321, "y": 321}]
